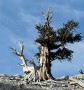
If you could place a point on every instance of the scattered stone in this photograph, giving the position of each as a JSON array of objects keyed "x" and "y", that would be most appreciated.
[{"x": 17, "y": 82}]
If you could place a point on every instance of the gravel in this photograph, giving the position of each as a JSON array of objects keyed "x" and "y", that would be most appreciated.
[{"x": 17, "y": 82}]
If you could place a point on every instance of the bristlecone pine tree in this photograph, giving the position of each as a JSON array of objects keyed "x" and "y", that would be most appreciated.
[{"x": 52, "y": 43}]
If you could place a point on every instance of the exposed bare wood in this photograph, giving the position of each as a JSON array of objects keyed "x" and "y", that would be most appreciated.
[
  {"x": 30, "y": 71},
  {"x": 36, "y": 70},
  {"x": 44, "y": 63},
  {"x": 48, "y": 16},
  {"x": 20, "y": 53}
]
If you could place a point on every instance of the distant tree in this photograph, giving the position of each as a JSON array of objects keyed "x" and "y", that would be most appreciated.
[
  {"x": 81, "y": 71},
  {"x": 52, "y": 43}
]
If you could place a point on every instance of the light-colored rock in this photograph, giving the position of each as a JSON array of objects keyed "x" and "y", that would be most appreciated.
[
  {"x": 77, "y": 79},
  {"x": 17, "y": 82},
  {"x": 79, "y": 76}
]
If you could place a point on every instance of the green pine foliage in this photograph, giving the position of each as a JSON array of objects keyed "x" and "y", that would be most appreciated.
[{"x": 56, "y": 40}]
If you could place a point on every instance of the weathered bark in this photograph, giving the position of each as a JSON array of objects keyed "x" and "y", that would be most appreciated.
[
  {"x": 20, "y": 53},
  {"x": 25, "y": 67},
  {"x": 44, "y": 70},
  {"x": 45, "y": 64},
  {"x": 29, "y": 71},
  {"x": 36, "y": 70}
]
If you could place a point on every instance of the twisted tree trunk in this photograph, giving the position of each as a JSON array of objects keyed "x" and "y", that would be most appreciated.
[{"x": 45, "y": 64}]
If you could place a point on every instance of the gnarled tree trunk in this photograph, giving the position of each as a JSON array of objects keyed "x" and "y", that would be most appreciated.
[{"x": 45, "y": 63}]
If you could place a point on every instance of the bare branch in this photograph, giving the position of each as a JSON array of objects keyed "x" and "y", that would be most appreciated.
[
  {"x": 21, "y": 49},
  {"x": 21, "y": 44},
  {"x": 15, "y": 51},
  {"x": 32, "y": 61},
  {"x": 20, "y": 64},
  {"x": 20, "y": 53},
  {"x": 48, "y": 16}
]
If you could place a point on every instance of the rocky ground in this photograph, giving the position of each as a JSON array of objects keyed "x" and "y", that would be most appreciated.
[{"x": 18, "y": 83}]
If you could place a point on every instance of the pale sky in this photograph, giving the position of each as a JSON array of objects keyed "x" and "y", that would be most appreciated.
[{"x": 17, "y": 22}]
